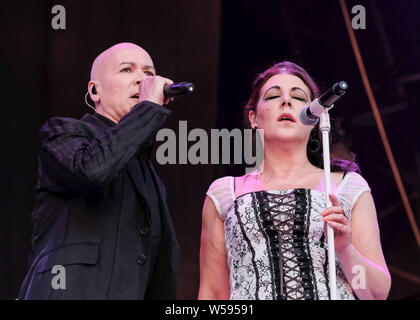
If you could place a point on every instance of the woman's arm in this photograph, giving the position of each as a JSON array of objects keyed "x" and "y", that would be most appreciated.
[
  {"x": 214, "y": 272},
  {"x": 362, "y": 258}
]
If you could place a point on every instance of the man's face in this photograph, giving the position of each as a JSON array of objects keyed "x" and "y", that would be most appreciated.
[{"x": 118, "y": 77}]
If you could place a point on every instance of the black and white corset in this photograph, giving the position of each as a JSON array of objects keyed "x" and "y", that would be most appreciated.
[{"x": 275, "y": 242}]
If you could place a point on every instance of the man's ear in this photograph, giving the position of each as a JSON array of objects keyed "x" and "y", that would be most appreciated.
[
  {"x": 252, "y": 116},
  {"x": 93, "y": 90}
]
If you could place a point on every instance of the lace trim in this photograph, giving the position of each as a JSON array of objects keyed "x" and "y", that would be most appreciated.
[{"x": 248, "y": 241}]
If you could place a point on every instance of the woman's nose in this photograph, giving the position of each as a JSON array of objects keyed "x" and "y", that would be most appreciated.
[{"x": 286, "y": 100}]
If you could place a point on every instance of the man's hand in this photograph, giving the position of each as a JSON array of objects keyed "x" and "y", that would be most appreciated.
[{"x": 151, "y": 89}]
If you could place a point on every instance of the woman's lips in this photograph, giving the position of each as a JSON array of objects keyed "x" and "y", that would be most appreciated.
[{"x": 286, "y": 115}]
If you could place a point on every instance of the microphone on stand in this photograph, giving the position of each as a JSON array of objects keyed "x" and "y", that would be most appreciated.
[
  {"x": 311, "y": 113},
  {"x": 178, "y": 89}
]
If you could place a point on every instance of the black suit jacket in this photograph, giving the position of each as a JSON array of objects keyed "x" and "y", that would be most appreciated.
[{"x": 84, "y": 166}]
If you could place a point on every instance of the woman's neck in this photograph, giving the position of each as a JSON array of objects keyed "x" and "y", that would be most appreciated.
[{"x": 285, "y": 161}]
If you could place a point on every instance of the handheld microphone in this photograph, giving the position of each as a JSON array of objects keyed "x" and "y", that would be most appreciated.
[
  {"x": 310, "y": 114},
  {"x": 178, "y": 89}
]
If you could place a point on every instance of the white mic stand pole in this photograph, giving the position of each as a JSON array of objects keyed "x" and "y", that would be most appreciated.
[
  {"x": 325, "y": 127},
  {"x": 308, "y": 116}
]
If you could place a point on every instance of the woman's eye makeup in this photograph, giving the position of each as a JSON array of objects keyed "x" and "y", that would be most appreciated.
[
  {"x": 277, "y": 96},
  {"x": 276, "y": 92},
  {"x": 300, "y": 99}
]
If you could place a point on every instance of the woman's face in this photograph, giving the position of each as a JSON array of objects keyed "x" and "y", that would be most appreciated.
[{"x": 282, "y": 94}]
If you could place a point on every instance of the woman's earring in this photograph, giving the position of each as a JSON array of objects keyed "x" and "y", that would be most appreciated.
[
  {"x": 314, "y": 145},
  {"x": 254, "y": 140},
  {"x": 258, "y": 149}
]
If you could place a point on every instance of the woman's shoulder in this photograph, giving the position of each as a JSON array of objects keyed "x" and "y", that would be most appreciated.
[
  {"x": 222, "y": 182},
  {"x": 247, "y": 176},
  {"x": 222, "y": 192},
  {"x": 354, "y": 178},
  {"x": 222, "y": 188},
  {"x": 346, "y": 177},
  {"x": 229, "y": 183},
  {"x": 354, "y": 185}
]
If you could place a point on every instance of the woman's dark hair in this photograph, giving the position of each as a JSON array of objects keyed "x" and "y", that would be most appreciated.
[{"x": 346, "y": 161}]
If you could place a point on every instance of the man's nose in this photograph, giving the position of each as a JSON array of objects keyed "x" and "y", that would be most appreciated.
[{"x": 139, "y": 76}]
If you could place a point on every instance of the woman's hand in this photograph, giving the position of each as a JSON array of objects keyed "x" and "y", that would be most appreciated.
[{"x": 334, "y": 216}]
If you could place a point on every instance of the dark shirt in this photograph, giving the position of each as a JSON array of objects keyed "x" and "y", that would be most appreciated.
[{"x": 133, "y": 199}]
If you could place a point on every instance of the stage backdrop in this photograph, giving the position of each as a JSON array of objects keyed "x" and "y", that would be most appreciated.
[{"x": 220, "y": 46}]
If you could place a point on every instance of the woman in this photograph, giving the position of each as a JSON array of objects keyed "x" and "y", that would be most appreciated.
[{"x": 263, "y": 234}]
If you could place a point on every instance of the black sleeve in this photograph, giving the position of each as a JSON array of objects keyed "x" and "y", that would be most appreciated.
[{"x": 72, "y": 158}]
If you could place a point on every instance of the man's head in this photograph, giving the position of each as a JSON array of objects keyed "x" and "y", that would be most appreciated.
[{"x": 116, "y": 74}]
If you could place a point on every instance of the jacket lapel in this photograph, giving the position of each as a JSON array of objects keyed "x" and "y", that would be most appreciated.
[{"x": 166, "y": 217}]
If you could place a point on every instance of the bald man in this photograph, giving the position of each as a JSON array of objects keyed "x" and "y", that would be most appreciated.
[{"x": 101, "y": 226}]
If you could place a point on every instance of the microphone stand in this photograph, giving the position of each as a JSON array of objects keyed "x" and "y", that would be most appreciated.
[
  {"x": 325, "y": 127},
  {"x": 319, "y": 108}
]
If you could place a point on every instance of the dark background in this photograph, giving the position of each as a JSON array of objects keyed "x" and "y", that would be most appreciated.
[{"x": 220, "y": 46}]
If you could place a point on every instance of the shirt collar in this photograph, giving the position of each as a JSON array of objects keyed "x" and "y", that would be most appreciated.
[
  {"x": 104, "y": 119},
  {"x": 144, "y": 152}
]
